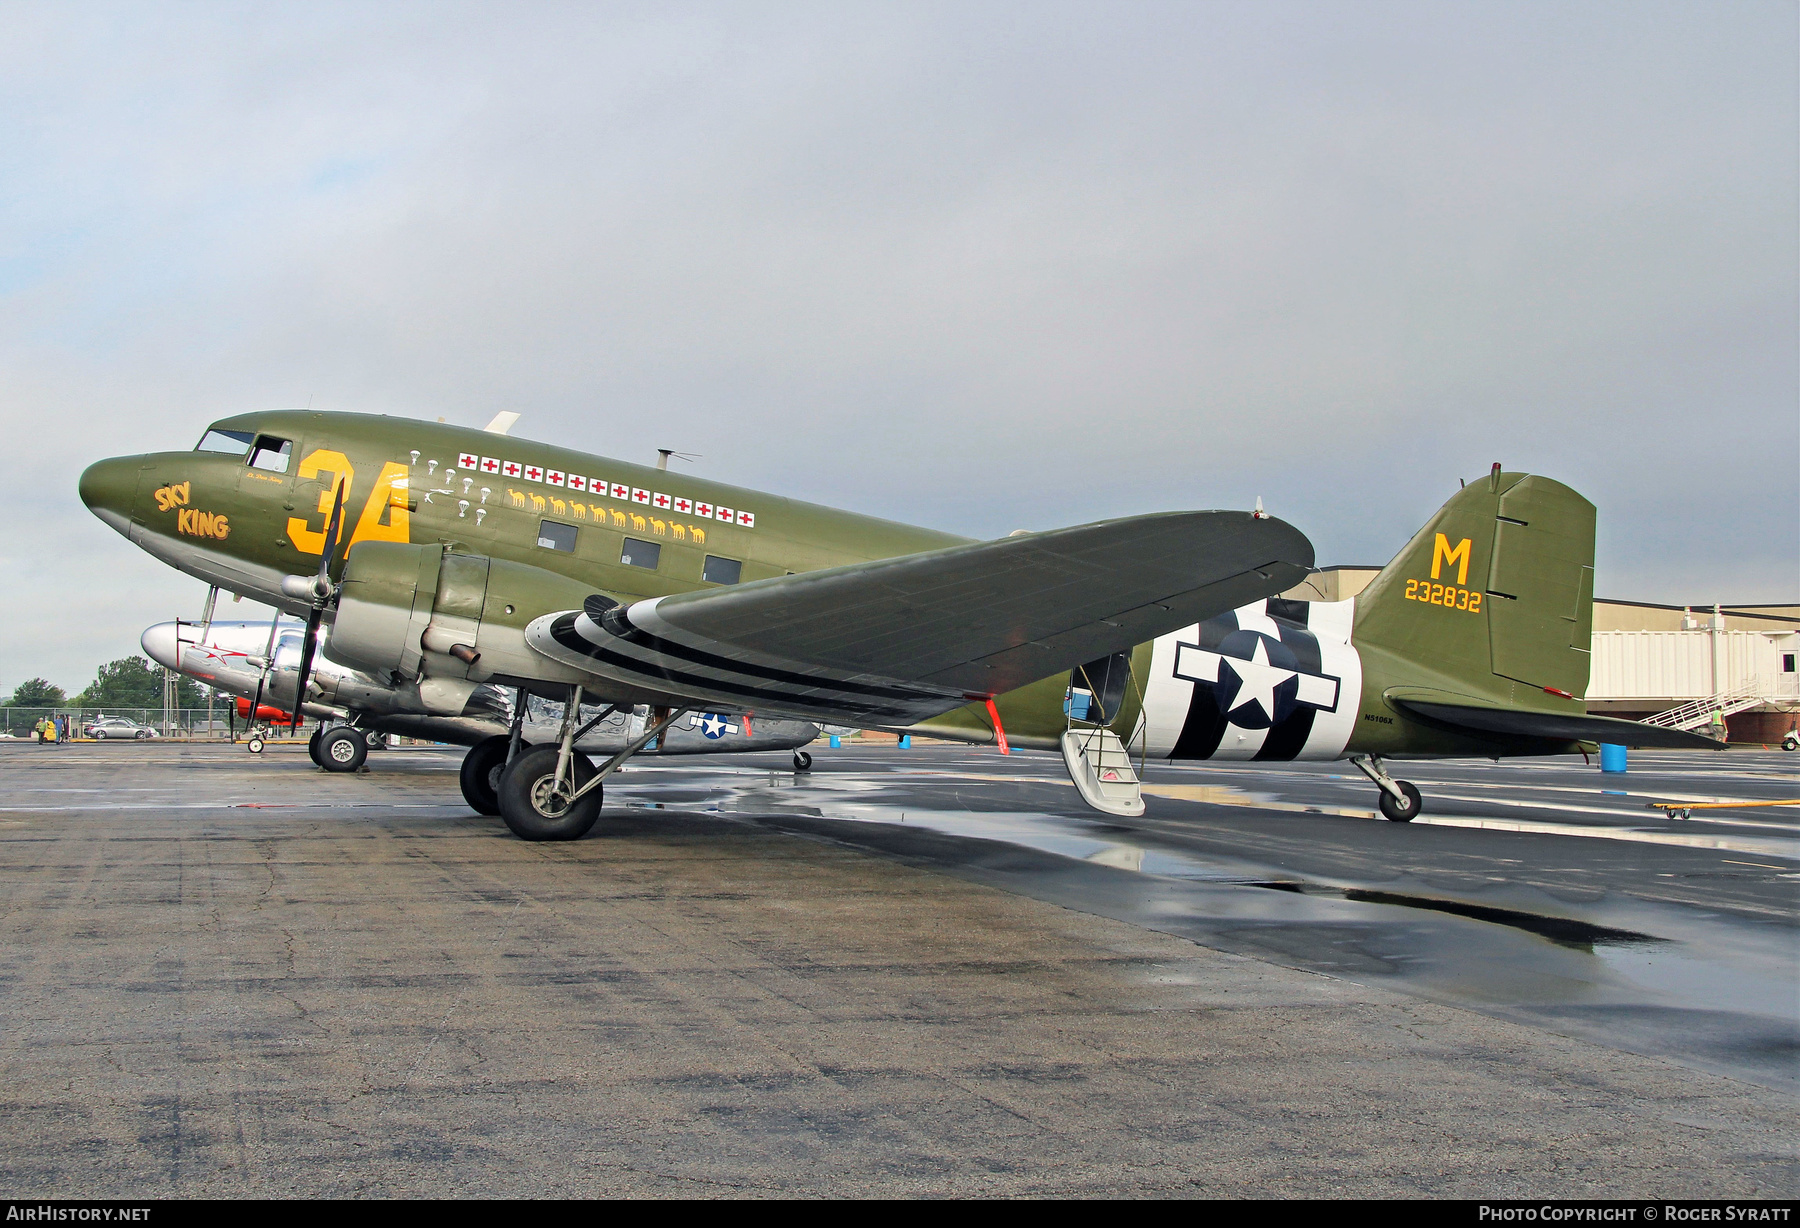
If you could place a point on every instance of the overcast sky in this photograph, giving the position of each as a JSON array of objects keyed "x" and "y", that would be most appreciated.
[{"x": 976, "y": 266}]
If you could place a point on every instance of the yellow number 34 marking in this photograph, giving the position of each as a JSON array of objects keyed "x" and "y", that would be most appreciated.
[{"x": 386, "y": 502}]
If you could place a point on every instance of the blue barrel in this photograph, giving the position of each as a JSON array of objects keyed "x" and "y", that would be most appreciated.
[
  {"x": 1612, "y": 758},
  {"x": 906, "y": 741},
  {"x": 836, "y": 742}
]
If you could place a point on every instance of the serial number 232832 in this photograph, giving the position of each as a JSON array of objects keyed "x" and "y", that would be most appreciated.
[{"x": 1449, "y": 596}]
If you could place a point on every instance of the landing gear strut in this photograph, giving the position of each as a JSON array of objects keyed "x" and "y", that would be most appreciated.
[
  {"x": 554, "y": 792},
  {"x": 1399, "y": 799}
]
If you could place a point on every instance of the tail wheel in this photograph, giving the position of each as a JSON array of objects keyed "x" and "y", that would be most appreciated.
[
  {"x": 1398, "y": 811},
  {"x": 481, "y": 769},
  {"x": 342, "y": 749},
  {"x": 254, "y": 746},
  {"x": 802, "y": 761},
  {"x": 537, "y": 807}
]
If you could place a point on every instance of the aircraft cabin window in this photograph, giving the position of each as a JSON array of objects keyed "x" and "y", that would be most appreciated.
[
  {"x": 721, "y": 571},
  {"x": 640, "y": 554},
  {"x": 234, "y": 442},
  {"x": 271, "y": 454},
  {"x": 554, "y": 536}
]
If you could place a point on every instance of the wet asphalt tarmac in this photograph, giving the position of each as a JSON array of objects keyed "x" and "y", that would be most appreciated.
[
  {"x": 904, "y": 972},
  {"x": 1544, "y": 891}
]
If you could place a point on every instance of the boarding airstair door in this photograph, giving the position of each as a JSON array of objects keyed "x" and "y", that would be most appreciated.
[
  {"x": 1101, "y": 768},
  {"x": 1540, "y": 588},
  {"x": 1097, "y": 690}
]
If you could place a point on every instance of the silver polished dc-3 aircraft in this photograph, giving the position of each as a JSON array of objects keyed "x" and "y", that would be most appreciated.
[
  {"x": 444, "y": 559},
  {"x": 259, "y": 664}
]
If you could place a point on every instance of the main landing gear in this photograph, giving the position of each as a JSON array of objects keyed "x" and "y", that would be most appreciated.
[
  {"x": 488, "y": 759},
  {"x": 549, "y": 792},
  {"x": 1399, "y": 799},
  {"x": 481, "y": 769},
  {"x": 338, "y": 748}
]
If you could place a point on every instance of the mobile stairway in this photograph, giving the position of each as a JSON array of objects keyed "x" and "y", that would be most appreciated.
[{"x": 1700, "y": 711}]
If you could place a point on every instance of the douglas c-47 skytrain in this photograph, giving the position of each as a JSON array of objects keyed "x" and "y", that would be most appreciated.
[{"x": 443, "y": 559}]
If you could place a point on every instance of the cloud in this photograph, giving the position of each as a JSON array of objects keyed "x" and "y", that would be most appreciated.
[{"x": 979, "y": 268}]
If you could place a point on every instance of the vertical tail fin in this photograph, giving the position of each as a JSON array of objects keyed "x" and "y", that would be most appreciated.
[{"x": 1496, "y": 590}]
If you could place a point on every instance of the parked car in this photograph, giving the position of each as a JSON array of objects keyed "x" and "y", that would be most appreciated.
[{"x": 117, "y": 727}]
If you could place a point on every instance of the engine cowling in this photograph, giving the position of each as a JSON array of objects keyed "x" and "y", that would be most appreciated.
[
  {"x": 385, "y": 603},
  {"x": 444, "y": 620}
]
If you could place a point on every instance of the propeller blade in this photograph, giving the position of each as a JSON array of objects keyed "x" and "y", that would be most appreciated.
[
  {"x": 262, "y": 678},
  {"x": 332, "y": 526},
  {"x": 306, "y": 659},
  {"x": 321, "y": 595}
]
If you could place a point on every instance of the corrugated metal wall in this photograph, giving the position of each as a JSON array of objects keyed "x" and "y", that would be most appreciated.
[{"x": 1681, "y": 664}]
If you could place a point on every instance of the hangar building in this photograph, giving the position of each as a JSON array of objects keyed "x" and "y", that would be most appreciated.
[{"x": 1669, "y": 664}]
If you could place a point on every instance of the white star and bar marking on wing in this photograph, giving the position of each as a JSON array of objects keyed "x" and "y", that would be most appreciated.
[{"x": 711, "y": 724}]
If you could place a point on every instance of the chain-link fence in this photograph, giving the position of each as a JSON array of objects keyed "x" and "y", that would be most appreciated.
[{"x": 126, "y": 724}]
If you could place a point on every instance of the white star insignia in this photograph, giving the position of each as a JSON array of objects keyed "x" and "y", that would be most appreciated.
[{"x": 1257, "y": 679}]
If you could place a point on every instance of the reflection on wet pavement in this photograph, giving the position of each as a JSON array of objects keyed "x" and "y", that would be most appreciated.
[{"x": 1604, "y": 956}]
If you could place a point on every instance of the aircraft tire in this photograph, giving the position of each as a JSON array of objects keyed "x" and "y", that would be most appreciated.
[
  {"x": 481, "y": 769},
  {"x": 254, "y": 746},
  {"x": 525, "y": 788},
  {"x": 1397, "y": 812},
  {"x": 312, "y": 746},
  {"x": 342, "y": 749},
  {"x": 802, "y": 761}
]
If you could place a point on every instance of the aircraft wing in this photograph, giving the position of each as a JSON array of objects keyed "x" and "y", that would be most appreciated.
[{"x": 898, "y": 640}]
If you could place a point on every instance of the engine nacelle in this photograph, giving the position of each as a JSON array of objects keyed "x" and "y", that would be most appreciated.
[
  {"x": 444, "y": 620},
  {"x": 384, "y": 605}
]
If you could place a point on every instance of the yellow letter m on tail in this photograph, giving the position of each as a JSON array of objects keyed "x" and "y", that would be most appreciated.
[{"x": 1442, "y": 554}]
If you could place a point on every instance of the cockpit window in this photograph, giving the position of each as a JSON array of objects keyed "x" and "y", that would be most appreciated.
[
  {"x": 235, "y": 442},
  {"x": 271, "y": 453}
]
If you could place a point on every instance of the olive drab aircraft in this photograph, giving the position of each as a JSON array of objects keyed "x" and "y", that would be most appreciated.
[{"x": 443, "y": 559}]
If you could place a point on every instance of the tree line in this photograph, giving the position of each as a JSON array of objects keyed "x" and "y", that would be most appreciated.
[{"x": 129, "y": 682}]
